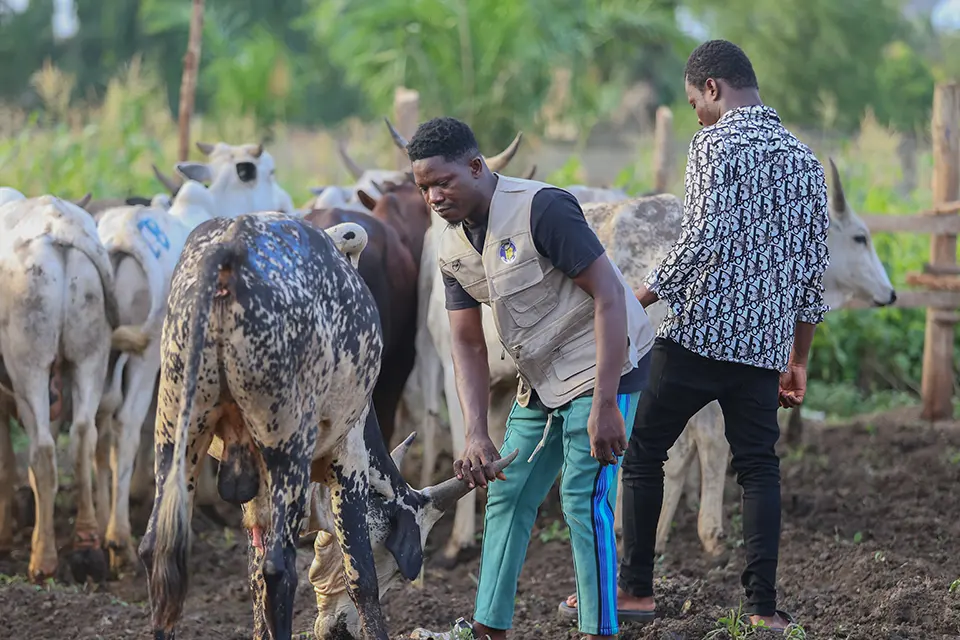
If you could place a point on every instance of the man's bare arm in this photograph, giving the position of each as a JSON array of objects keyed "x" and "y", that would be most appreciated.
[
  {"x": 802, "y": 339},
  {"x": 469, "y": 351},
  {"x": 610, "y": 325}
]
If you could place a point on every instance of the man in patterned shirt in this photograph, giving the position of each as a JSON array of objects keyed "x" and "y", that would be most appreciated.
[{"x": 743, "y": 285}]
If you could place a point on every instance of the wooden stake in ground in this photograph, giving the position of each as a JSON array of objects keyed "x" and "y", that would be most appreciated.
[
  {"x": 188, "y": 82},
  {"x": 937, "y": 384},
  {"x": 663, "y": 150},
  {"x": 406, "y": 114}
]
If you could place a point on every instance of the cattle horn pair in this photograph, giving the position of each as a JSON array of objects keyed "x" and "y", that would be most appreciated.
[
  {"x": 445, "y": 495},
  {"x": 206, "y": 149},
  {"x": 495, "y": 163}
]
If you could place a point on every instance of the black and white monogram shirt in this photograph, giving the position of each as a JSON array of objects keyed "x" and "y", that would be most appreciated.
[{"x": 749, "y": 261}]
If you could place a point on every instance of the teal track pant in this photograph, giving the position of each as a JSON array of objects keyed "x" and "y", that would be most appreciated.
[{"x": 588, "y": 495}]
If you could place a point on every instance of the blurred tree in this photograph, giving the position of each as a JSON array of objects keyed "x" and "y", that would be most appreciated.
[
  {"x": 807, "y": 52},
  {"x": 26, "y": 40},
  {"x": 491, "y": 62}
]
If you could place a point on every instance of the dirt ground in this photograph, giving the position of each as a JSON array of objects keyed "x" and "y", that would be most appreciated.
[{"x": 871, "y": 546}]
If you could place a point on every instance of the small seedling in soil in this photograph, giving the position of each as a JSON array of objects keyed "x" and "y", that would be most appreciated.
[
  {"x": 556, "y": 531},
  {"x": 955, "y": 585},
  {"x": 736, "y": 626}
]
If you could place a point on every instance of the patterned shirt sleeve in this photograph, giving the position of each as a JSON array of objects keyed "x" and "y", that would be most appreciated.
[
  {"x": 812, "y": 305},
  {"x": 705, "y": 181}
]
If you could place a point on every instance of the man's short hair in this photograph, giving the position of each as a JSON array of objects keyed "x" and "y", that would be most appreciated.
[
  {"x": 720, "y": 60},
  {"x": 447, "y": 137}
]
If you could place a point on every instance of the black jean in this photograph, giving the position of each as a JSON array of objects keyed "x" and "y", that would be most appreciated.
[{"x": 680, "y": 384}]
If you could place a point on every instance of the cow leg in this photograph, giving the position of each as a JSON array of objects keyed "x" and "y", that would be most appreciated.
[
  {"x": 141, "y": 483},
  {"x": 431, "y": 380},
  {"x": 465, "y": 518},
  {"x": 105, "y": 436},
  {"x": 273, "y": 579},
  {"x": 691, "y": 487},
  {"x": 679, "y": 458},
  {"x": 142, "y": 373},
  {"x": 87, "y": 558},
  {"x": 8, "y": 476},
  {"x": 713, "y": 449},
  {"x": 349, "y": 487},
  {"x": 33, "y": 405}
]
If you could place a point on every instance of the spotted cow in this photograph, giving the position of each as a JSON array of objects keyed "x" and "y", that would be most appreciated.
[{"x": 270, "y": 354}]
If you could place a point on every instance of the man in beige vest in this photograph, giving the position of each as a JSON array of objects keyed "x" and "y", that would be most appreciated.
[{"x": 580, "y": 340}]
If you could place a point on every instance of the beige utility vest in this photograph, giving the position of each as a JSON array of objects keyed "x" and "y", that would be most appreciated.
[{"x": 545, "y": 321}]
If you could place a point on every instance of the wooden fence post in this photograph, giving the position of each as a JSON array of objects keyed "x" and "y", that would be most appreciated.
[
  {"x": 406, "y": 110},
  {"x": 188, "y": 82},
  {"x": 663, "y": 150},
  {"x": 937, "y": 384}
]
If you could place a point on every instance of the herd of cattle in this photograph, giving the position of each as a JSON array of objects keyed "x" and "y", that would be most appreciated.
[{"x": 289, "y": 344}]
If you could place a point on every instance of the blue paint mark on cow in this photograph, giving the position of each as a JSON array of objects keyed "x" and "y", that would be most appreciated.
[
  {"x": 278, "y": 252},
  {"x": 159, "y": 243}
]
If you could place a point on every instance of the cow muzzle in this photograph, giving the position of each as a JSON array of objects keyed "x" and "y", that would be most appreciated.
[{"x": 246, "y": 171}]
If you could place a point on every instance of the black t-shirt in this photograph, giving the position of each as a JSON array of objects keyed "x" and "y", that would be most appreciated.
[{"x": 561, "y": 234}]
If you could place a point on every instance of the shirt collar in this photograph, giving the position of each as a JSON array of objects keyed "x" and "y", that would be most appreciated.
[{"x": 751, "y": 112}]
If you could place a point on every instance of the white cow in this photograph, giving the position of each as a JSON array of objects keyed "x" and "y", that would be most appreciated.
[
  {"x": 144, "y": 244},
  {"x": 242, "y": 179},
  {"x": 59, "y": 305}
]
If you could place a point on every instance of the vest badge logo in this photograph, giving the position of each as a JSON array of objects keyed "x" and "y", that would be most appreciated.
[{"x": 508, "y": 251}]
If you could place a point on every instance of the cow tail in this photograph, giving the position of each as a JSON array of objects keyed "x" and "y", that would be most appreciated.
[
  {"x": 95, "y": 253},
  {"x": 133, "y": 338},
  {"x": 169, "y": 575}
]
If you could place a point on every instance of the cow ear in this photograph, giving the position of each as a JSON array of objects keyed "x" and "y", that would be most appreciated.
[
  {"x": 196, "y": 171},
  {"x": 403, "y": 543},
  {"x": 367, "y": 200}
]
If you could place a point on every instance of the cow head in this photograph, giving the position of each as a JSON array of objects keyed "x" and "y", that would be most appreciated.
[
  {"x": 495, "y": 163},
  {"x": 350, "y": 240},
  {"x": 402, "y": 207},
  {"x": 337, "y": 615},
  {"x": 855, "y": 270},
  {"x": 241, "y": 178}
]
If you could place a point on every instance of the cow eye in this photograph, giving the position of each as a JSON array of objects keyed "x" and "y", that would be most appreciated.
[{"x": 860, "y": 239}]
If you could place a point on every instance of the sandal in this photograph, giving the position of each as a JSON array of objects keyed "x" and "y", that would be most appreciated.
[
  {"x": 786, "y": 617},
  {"x": 623, "y": 615}
]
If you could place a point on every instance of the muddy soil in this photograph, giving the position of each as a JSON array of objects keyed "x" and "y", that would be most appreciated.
[{"x": 871, "y": 546}]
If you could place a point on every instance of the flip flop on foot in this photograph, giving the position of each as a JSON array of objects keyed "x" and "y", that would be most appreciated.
[
  {"x": 781, "y": 622},
  {"x": 568, "y": 609}
]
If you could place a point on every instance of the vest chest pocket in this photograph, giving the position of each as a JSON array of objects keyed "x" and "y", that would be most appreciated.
[
  {"x": 524, "y": 293},
  {"x": 576, "y": 356}
]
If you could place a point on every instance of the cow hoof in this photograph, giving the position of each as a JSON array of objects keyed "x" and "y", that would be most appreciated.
[
  {"x": 450, "y": 560},
  {"x": 39, "y": 576},
  {"x": 122, "y": 559},
  {"x": 89, "y": 563}
]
